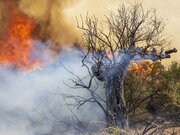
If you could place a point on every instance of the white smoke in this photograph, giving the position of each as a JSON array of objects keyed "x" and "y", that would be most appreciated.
[{"x": 30, "y": 104}]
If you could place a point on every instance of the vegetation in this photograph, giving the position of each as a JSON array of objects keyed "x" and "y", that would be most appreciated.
[
  {"x": 160, "y": 85},
  {"x": 164, "y": 103},
  {"x": 131, "y": 34}
]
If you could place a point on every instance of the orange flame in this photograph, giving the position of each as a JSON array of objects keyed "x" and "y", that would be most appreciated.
[
  {"x": 16, "y": 45},
  {"x": 142, "y": 67}
]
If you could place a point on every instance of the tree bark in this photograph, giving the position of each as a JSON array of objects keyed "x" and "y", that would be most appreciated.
[
  {"x": 117, "y": 112},
  {"x": 116, "y": 106}
]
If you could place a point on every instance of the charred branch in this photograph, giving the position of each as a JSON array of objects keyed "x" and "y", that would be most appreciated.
[{"x": 174, "y": 50}]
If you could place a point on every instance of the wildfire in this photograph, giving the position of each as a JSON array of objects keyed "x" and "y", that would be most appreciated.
[
  {"x": 141, "y": 67},
  {"x": 144, "y": 69},
  {"x": 16, "y": 45}
]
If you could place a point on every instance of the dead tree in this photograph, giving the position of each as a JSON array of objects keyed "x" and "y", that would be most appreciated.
[{"x": 131, "y": 34}]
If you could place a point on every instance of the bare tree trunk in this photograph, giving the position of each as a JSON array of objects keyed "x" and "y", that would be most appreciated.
[
  {"x": 116, "y": 106},
  {"x": 117, "y": 112},
  {"x": 116, "y": 109}
]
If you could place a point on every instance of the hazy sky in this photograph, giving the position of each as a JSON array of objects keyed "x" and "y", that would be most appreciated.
[{"x": 167, "y": 9}]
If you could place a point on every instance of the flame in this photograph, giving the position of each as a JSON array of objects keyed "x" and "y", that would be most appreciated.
[
  {"x": 16, "y": 45},
  {"x": 142, "y": 67}
]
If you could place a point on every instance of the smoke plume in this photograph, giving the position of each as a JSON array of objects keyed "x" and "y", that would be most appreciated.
[{"x": 31, "y": 103}]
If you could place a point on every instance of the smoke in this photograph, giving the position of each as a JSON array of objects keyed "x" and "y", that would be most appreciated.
[
  {"x": 31, "y": 103},
  {"x": 3, "y": 18},
  {"x": 50, "y": 16}
]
